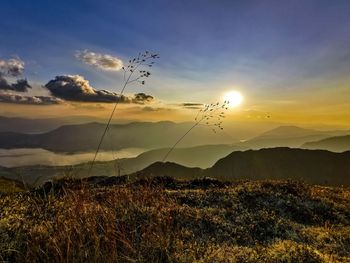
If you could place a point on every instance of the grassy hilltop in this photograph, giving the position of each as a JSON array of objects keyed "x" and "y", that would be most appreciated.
[{"x": 164, "y": 220}]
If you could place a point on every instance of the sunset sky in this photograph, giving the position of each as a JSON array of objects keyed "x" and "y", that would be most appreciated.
[{"x": 290, "y": 60}]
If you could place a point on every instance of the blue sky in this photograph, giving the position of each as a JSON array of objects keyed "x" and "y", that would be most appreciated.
[{"x": 263, "y": 48}]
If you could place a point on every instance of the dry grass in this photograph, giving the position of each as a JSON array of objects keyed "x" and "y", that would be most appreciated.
[{"x": 168, "y": 221}]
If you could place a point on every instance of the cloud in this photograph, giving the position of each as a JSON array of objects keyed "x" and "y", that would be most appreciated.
[
  {"x": 76, "y": 88},
  {"x": 12, "y": 67},
  {"x": 142, "y": 98},
  {"x": 20, "y": 85},
  {"x": 155, "y": 109},
  {"x": 32, "y": 100},
  {"x": 101, "y": 61},
  {"x": 190, "y": 105}
]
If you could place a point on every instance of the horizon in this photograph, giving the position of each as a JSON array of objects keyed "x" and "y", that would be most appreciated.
[
  {"x": 286, "y": 66},
  {"x": 175, "y": 131}
]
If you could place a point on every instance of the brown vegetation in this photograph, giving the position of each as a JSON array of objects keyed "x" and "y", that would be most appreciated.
[{"x": 164, "y": 220}]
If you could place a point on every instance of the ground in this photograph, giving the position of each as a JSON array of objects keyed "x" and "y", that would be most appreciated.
[{"x": 163, "y": 220}]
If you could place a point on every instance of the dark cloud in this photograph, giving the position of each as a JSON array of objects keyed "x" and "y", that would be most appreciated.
[
  {"x": 190, "y": 105},
  {"x": 142, "y": 98},
  {"x": 155, "y": 109},
  {"x": 101, "y": 61},
  {"x": 32, "y": 100},
  {"x": 76, "y": 88},
  {"x": 20, "y": 85}
]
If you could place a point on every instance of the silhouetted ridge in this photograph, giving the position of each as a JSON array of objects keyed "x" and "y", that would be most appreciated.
[
  {"x": 314, "y": 166},
  {"x": 171, "y": 169}
]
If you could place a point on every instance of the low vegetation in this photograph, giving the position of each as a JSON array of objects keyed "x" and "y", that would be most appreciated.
[
  {"x": 10, "y": 186},
  {"x": 164, "y": 220}
]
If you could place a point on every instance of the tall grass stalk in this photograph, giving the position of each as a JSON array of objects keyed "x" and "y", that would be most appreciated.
[
  {"x": 135, "y": 66},
  {"x": 210, "y": 115}
]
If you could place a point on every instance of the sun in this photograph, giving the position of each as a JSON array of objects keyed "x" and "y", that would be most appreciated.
[{"x": 234, "y": 98}]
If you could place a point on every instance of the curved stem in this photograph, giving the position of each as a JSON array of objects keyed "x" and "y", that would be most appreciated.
[
  {"x": 109, "y": 121},
  {"x": 179, "y": 140}
]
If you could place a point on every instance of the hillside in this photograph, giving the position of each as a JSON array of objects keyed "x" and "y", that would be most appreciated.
[
  {"x": 288, "y": 136},
  {"x": 312, "y": 166},
  {"x": 85, "y": 137},
  {"x": 334, "y": 144},
  {"x": 159, "y": 169},
  {"x": 163, "y": 220},
  {"x": 203, "y": 156},
  {"x": 10, "y": 185}
]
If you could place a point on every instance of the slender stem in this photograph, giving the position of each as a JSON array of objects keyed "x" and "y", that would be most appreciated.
[
  {"x": 179, "y": 140},
  {"x": 109, "y": 121},
  {"x": 203, "y": 117}
]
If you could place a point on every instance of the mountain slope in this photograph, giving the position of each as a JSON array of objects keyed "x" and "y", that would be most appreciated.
[
  {"x": 334, "y": 144},
  {"x": 314, "y": 166},
  {"x": 164, "y": 220},
  {"x": 203, "y": 156},
  {"x": 171, "y": 169},
  {"x": 10, "y": 186}
]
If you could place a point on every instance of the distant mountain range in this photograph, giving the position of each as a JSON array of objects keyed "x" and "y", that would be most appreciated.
[
  {"x": 334, "y": 144},
  {"x": 28, "y": 125},
  {"x": 85, "y": 137},
  {"x": 153, "y": 135},
  {"x": 203, "y": 156},
  {"x": 290, "y": 136},
  {"x": 312, "y": 166}
]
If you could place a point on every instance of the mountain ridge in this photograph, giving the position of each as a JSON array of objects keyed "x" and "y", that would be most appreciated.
[
  {"x": 335, "y": 144},
  {"x": 313, "y": 166}
]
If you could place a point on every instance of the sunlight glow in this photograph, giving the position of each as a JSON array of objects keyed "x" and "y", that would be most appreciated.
[{"x": 235, "y": 98}]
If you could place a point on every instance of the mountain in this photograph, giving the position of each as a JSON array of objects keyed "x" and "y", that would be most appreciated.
[
  {"x": 288, "y": 136},
  {"x": 85, "y": 137},
  {"x": 288, "y": 132},
  {"x": 29, "y": 125},
  {"x": 334, "y": 144},
  {"x": 203, "y": 156},
  {"x": 313, "y": 166},
  {"x": 177, "y": 171}
]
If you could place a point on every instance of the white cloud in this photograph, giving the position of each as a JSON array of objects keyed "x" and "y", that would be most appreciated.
[
  {"x": 12, "y": 67},
  {"x": 101, "y": 61}
]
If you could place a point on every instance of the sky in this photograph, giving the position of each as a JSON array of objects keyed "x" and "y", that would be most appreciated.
[{"x": 290, "y": 60}]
